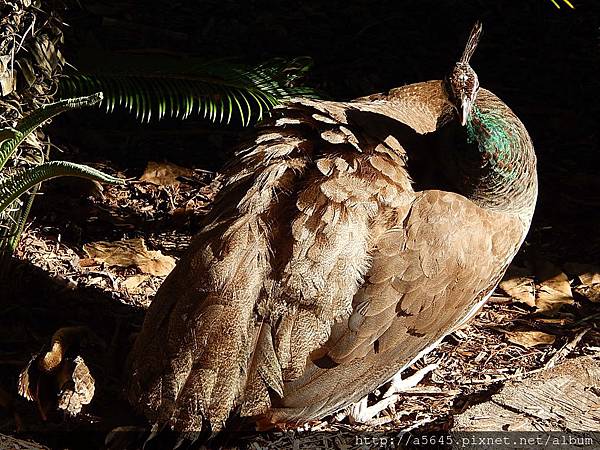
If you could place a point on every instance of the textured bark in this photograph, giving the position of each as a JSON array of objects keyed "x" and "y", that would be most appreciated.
[{"x": 564, "y": 398}]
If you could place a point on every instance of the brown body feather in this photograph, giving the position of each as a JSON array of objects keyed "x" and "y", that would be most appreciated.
[{"x": 321, "y": 271}]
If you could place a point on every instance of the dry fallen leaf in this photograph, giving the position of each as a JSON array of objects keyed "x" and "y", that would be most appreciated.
[
  {"x": 557, "y": 320},
  {"x": 78, "y": 388},
  {"x": 132, "y": 284},
  {"x": 131, "y": 252},
  {"x": 592, "y": 293},
  {"x": 554, "y": 289},
  {"x": 7, "y": 75},
  {"x": 550, "y": 293},
  {"x": 589, "y": 277},
  {"x": 164, "y": 173},
  {"x": 87, "y": 262},
  {"x": 55, "y": 380},
  {"x": 518, "y": 285},
  {"x": 530, "y": 339}
]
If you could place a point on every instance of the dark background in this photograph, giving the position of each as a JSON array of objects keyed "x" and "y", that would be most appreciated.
[{"x": 542, "y": 61}]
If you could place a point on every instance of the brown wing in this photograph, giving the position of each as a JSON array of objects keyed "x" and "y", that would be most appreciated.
[{"x": 428, "y": 272}]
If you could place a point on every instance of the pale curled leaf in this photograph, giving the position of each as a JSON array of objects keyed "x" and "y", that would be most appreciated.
[
  {"x": 530, "y": 339},
  {"x": 132, "y": 284},
  {"x": 79, "y": 388},
  {"x": 519, "y": 287},
  {"x": 549, "y": 299},
  {"x": 54, "y": 380},
  {"x": 7, "y": 76},
  {"x": 62, "y": 340},
  {"x": 548, "y": 295},
  {"x": 164, "y": 173},
  {"x": 131, "y": 252},
  {"x": 589, "y": 277},
  {"x": 554, "y": 289},
  {"x": 592, "y": 293}
]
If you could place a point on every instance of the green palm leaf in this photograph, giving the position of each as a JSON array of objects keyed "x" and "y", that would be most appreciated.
[
  {"x": 10, "y": 138},
  {"x": 12, "y": 187},
  {"x": 156, "y": 86}
]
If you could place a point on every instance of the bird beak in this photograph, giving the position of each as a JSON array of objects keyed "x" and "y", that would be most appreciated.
[{"x": 465, "y": 110}]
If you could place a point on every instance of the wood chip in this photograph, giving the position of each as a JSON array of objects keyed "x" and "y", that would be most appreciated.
[{"x": 564, "y": 398}]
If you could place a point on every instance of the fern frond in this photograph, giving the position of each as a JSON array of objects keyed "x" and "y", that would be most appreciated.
[
  {"x": 14, "y": 186},
  {"x": 20, "y": 218},
  {"x": 10, "y": 138},
  {"x": 156, "y": 86},
  {"x": 12, "y": 222}
]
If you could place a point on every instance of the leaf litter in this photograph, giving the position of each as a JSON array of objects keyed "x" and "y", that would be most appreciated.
[
  {"x": 547, "y": 289},
  {"x": 505, "y": 341}
]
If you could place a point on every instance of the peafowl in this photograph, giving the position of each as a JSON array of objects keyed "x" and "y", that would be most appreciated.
[{"x": 348, "y": 241}]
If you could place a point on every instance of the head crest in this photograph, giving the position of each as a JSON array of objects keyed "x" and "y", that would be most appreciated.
[
  {"x": 472, "y": 43},
  {"x": 462, "y": 82}
]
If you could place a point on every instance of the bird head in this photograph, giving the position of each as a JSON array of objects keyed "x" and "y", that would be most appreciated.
[{"x": 462, "y": 82}]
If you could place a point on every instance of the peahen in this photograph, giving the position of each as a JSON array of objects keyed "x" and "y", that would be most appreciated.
[{"x": 350, "y": 238}]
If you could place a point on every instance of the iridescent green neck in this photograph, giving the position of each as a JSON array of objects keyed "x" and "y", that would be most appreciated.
[
  {"x": 497, "y": 168},
  {"x": 492, "y": 135}
]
